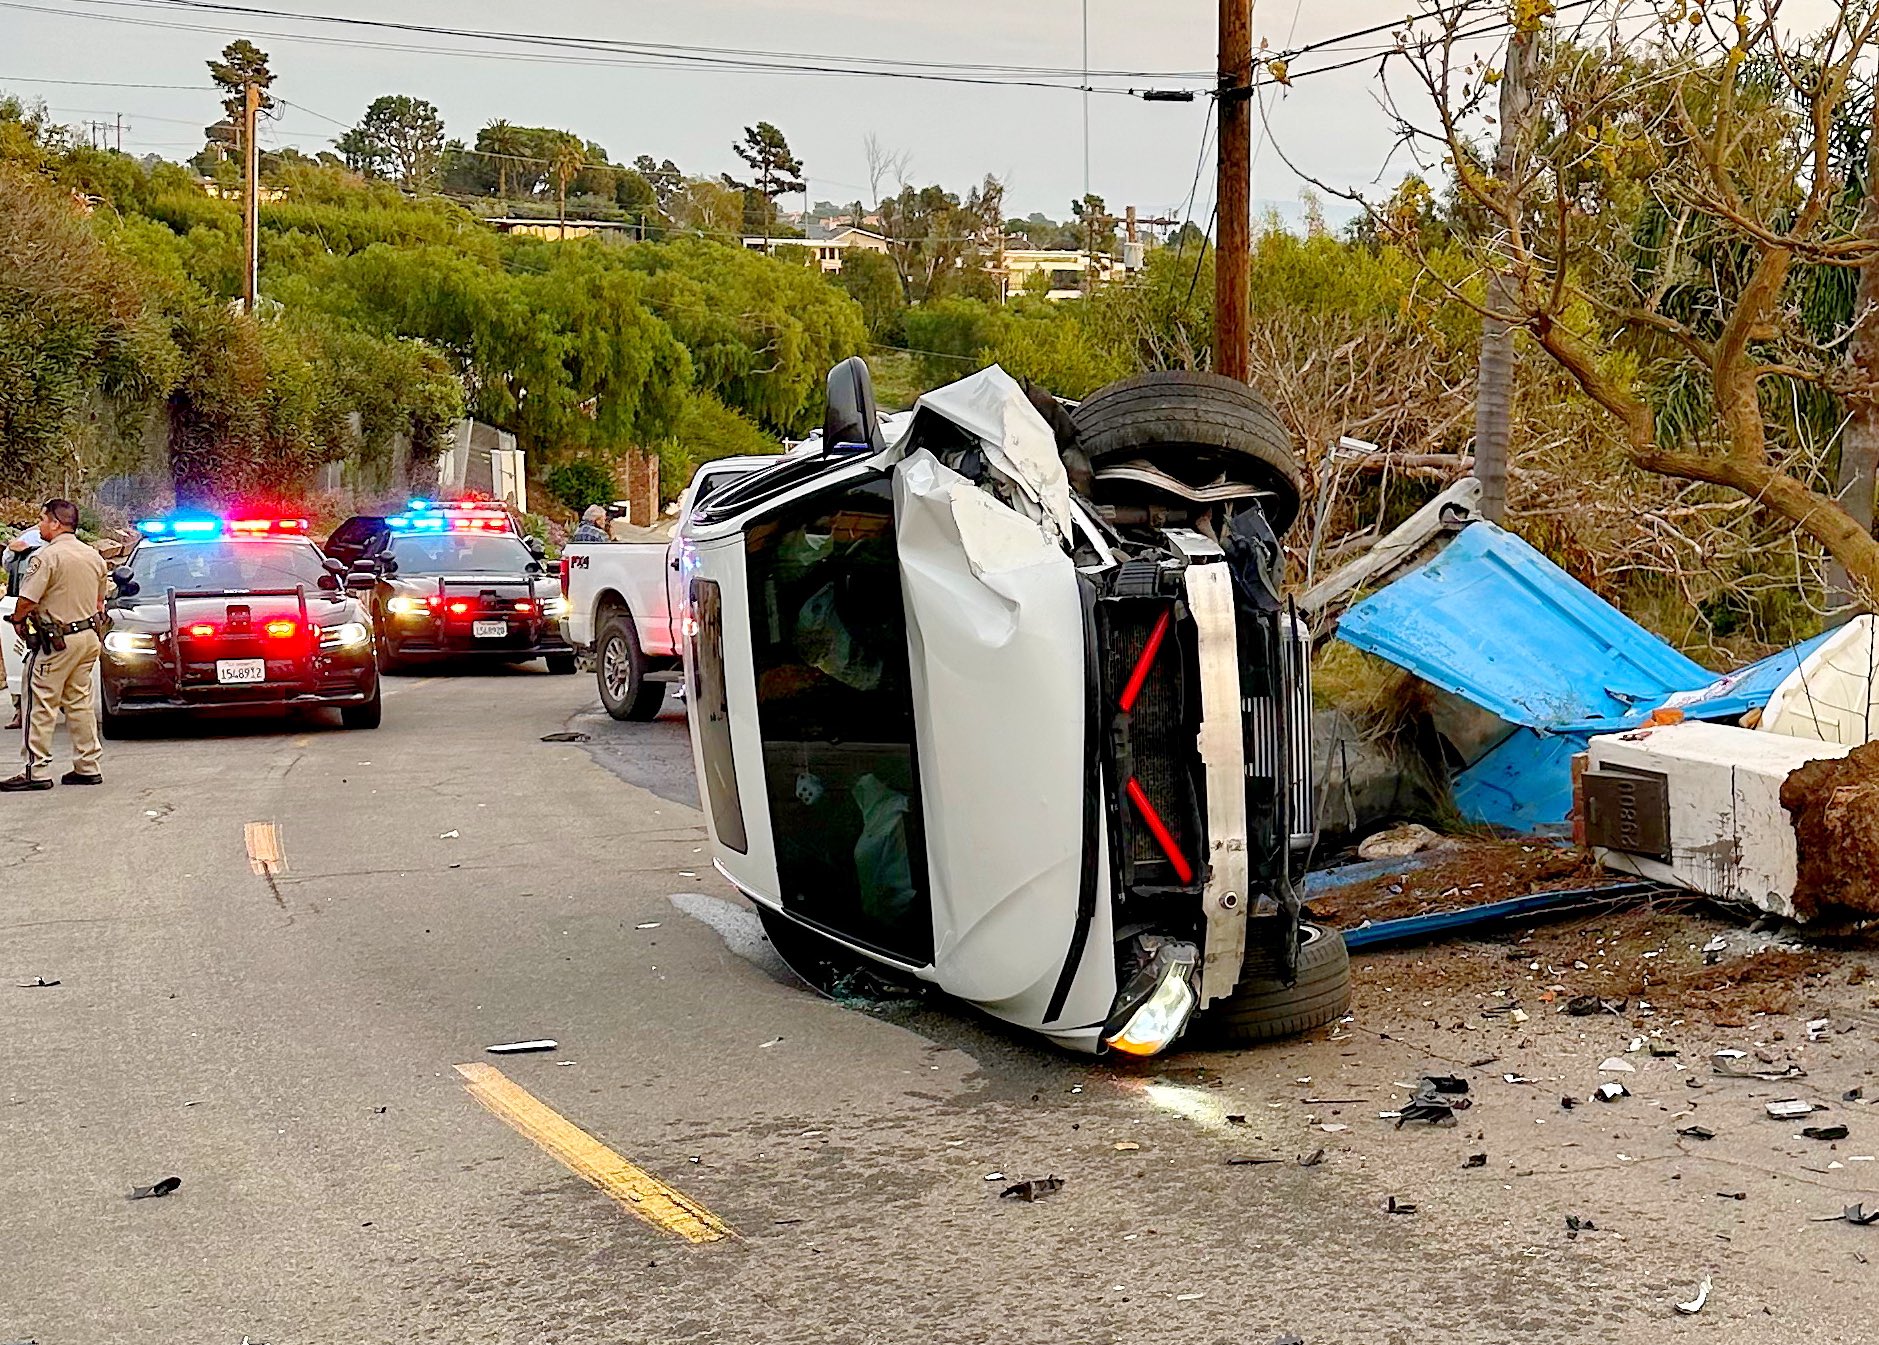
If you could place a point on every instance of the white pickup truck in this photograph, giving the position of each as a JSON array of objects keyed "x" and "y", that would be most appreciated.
[{"x": 625, "y": 601}]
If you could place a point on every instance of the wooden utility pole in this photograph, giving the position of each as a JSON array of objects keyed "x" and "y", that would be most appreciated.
[
  {"x": 250, "y": 197},
  {"x": 1234, "y": 241},
  {"x": 1494, "y": 379}
]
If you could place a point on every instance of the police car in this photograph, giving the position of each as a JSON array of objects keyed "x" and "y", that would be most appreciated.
[
  {"x": 451, "y": 581},
  {"x": 210, "y": 612}
]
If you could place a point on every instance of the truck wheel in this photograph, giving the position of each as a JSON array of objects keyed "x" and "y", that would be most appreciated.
[
  {"x": 1195, "y": 425},
  {"x": 620, "y": 672},
  {"x": 1264, "y": 1008},
  {"x": 366, "y": 714},
  {"x": 561, "y": 665}
]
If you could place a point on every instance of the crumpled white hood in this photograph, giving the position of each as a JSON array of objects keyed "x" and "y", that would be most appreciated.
[{"x": 1019, "y": 446}]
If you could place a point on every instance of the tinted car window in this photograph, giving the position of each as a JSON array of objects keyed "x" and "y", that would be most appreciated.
[
  {"x": 712, "y": 710},
  {"x": 230, "y": 565},
  {"x": 835, "y": 713},
  {"x": 459, "y": 553},
  {"x": 350, "y": 540}
]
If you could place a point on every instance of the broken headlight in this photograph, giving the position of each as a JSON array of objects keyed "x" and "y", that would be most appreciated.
[{"x": 1157, "y": 1000}]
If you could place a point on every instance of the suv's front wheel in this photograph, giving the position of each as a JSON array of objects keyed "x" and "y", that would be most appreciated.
[{"x": 1263, "y": 1007}]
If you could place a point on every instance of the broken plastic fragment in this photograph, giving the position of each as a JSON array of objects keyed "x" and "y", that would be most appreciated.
[
  {"x": 1697, "y": 1133},
  {"x": 1395, "y": 1206},
  {"x": 450, "y": 835},
  {"x": 1695, "y": 1305},
  {"x": 520, "y": 1047},
  {"x": 1034, "y": 1189},
  {"x": 1611, "y": 1091},
  {"x": 1476, "y": 1161},
  {"x": 1789, "y": 1108},
  {"x": 1832, "y": 1132},
  {"x": 156, "y": 1190},
  {"x": 1312, "y": 1159},
  {"x": 1853, "y": 1214},
  {"x": 1613, "y": 1065},
  {"x": 565, "y": 737},
  {"x": 38, "y": 982}
]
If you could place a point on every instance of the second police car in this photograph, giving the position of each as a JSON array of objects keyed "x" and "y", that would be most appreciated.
[
  {"x": 450, "y": 581},
  {"x": 209, "y": 612}
]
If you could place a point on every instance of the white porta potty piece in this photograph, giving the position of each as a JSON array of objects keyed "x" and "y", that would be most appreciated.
[
  {"x": 1833, "y": 696},
  {"x": 1699, "y": 805}
]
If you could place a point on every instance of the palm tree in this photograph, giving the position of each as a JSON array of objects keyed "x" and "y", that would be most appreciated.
[
  {"x": 566, "y": 159},
  {"x": 503, "y": 143}
]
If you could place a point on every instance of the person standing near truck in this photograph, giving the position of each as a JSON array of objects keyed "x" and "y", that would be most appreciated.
[
  {"x": 60, "y": 613},
  {"x": 593, "y": 525}
]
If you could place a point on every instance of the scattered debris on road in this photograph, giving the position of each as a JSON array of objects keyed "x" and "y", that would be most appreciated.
[
  {"x": 567, "y": 737},
  {"x": 38, "y": 983},
  {"x": 1395, "y": 1206},
  {"x": 1034, "y": 1189},
  {"x": 1576, "y": 1225},
  {"x": 450, "y": 835},
  {"x": 1832, "y": 1132},
  {"x": 521, "y": 1047},
  {"x": 1312, "y": 1159},
  {"x": 1695, "y": 1305},
  {"x": 1476, "y": 1161},
  {"x": 1853, "y": 1214},
  {"x": 1697, "y": 1133},
  {"x": 1788, "y": 1108},
  {"x": 1611, "y": 1091},
  {"x": 156, "y": 1190}
]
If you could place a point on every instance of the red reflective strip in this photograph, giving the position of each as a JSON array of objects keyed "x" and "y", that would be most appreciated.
[
  {"x": 1159, "y": 830},
  {"x": 1145, "y": 662}
]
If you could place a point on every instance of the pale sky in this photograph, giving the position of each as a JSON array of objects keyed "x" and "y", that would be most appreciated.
[{"x": 1140, "y": 153}]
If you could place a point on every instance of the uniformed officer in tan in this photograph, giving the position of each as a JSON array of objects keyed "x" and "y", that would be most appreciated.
[{"x": 63, "y": 592}]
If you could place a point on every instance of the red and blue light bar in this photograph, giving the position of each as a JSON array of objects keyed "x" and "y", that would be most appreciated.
[
  {"x": 200, "y": 527},
  {"x": 451, "y": 516}
]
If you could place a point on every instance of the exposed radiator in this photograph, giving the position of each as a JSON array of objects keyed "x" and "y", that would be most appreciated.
[{"x": 1264, "y": 746}]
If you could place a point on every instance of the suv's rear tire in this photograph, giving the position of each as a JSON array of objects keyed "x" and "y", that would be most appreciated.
[
  {"x": 1175, "y": 417},
  {"x": 620, "y": 671},
  {"x": 1264, "y": 1008}
]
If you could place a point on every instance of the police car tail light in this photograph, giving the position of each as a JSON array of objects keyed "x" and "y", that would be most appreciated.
[
  {"x": 459, "y": 607},
  {"x": 202, "y": 630},
  {"x": 282, "y": 629},
  {"x": 525, "y": 607}
]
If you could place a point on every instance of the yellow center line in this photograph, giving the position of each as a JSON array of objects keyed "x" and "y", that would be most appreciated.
[
  {"x": 265, "y": 854},
  {"x": 637, "y": 1191}
]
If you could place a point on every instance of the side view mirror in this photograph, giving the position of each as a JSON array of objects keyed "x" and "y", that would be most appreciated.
[
  {"x": 535, "y": 547},
  {"x": 849, "y": 417},
  {"x": 333, "y": 566},
  {"x": 383, "y": 564},
  {"x": 533, "y": 567},
  {"x": 329, "y": 582},
  {"x": 361, "y": 581},
  {"x": 121, "y": 577}
]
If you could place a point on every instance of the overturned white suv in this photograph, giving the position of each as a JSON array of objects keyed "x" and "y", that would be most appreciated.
[{"x": 1013, "y": 705}]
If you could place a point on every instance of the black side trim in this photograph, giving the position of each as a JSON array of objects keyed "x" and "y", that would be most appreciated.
[{"x": 1092, "y": 801}]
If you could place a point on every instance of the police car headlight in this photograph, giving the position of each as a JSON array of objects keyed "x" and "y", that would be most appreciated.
[
  {"x": 406, "y": 605},
  {"x": 129, "y": 643},
  {"x": 346, "y": 635}
]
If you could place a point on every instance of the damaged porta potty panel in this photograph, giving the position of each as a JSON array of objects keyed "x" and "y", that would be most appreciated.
[
  {"x": 1833, "y": 695},
  {"x": 996, "y": 634},
  {"x": 1701, "y": 806}
]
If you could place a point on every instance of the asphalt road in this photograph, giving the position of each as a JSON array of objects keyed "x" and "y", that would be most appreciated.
[{"x": 275, "y": 944}]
